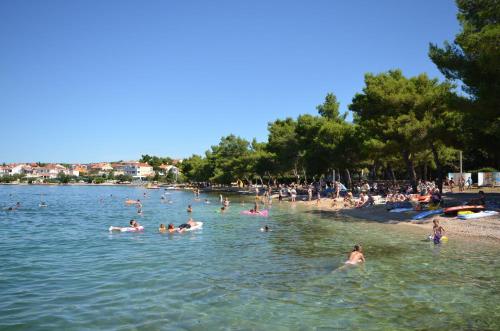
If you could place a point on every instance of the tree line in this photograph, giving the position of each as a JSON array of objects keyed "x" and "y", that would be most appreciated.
[{"x": 402, "y": 127}]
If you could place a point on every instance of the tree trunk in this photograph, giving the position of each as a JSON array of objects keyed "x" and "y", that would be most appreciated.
[
  {"x": 439, "y": 168},
  {"x": 425, "y": 171},
  {"x": 348, "y": 179},
  {"x": 391, "y": 173},
  {"x": 411, "y": 170}
]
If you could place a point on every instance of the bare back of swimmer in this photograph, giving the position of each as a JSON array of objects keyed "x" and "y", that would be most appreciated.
[{"x": 356, "y": 256}]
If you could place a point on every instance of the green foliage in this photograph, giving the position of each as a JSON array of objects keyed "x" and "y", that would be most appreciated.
[
  {"x": 11, "y": 178},
  {"x": 473, "y": 59},
  {"x": 155, "y": 161},
  {"x": 98, "y": 180},
  {"x": 123, "y": 178},
  {"x": 330, "y": 109},
  {"x": 63, "y": 178},
  {"x": 409, "y": 114}
]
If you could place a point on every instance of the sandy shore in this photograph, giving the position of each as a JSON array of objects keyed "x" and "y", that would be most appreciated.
[{"x": 484, "y": 228}]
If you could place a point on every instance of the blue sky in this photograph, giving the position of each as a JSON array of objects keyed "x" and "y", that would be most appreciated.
[{"x": 84, "y": 81}]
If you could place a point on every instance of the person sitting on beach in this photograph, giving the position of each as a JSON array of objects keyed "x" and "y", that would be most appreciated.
[
  {"x": 436, "y": 197},
  {"x": 189, "y": 209},
  {"x": 437, "y": 231},
  {"x": 481, "y": 200},
  {"x": 362, "y": 200},
  {"x": 348, "y": 199},
  {"x": 356, "y": 256}
]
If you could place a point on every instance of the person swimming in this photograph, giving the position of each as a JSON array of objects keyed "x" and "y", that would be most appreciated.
[
  {"x": 162, "y": 228},
  {"x": 266, "y": 228},
  {"x": 356, "y": 256},
  {"x": 189, "y": 209},
  {"x": 132, "y": 223},
  {"x": 437, "y": 232},
  {"x": 183, "y": 227},
  {"x": 222, "y": 209}
]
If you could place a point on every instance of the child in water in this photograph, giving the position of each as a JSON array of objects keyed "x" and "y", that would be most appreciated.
[{"x": 437, "y": 232}]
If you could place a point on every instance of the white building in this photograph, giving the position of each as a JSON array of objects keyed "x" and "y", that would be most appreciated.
[{"x": 138, "y": 170}]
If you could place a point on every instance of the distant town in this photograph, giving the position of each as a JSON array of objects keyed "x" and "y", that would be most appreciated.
[{"x": 96, "y": 173}]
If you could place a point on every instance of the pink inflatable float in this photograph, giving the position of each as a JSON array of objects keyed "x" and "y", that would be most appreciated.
[{"x": 263, "y": 213}]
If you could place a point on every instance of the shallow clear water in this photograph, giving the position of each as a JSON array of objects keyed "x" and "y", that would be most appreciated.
[{"x": 62, "y": 270}]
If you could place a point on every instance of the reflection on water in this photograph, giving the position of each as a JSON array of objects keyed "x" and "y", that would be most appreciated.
[{"x": 61, "y": 269}]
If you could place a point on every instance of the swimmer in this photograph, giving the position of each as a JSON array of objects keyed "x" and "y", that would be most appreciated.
[
  {"x": 226, "y": 202},
  {"x": 206, "y": 201},
  {"x": 222, "y": 209},
  {"x": 437, "y": 231},
  {"x": 162, "y": 228},
  {"x": 171, "y": 228},
  {"x": 183, "y": 227},
  {"x": 43, "y": 204},
  {"x": 189, "y": 209},
  {"x": 265, "y": 229},
  {"x": 132, "y": 223},
  {"x": 255, "y": 208},
  {"x": 356, "y": 256}
]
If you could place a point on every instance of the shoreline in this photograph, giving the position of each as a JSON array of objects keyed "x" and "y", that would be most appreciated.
[{"x": 487, "y": 228}]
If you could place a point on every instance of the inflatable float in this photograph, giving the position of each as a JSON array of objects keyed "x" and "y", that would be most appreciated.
[
  {"x": 198, "y": 226},
  {"x": 126, "y": 229},
  {"x": 443, "y": 239},
  {"x": 427, "y": 213},
  {"x": 400, "y": 210},
  {"x": 480, "y": 214},
  {"x": 455, "y": 210},
  {"x": 262, "y": 213}
]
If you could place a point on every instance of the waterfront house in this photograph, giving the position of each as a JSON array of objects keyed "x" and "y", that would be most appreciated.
[{"x": 138, "y": 170}]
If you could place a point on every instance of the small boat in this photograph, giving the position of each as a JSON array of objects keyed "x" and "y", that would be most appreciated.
[
  {"x": 170, "y": 188},
  {"x": 455, "y": 210},
  {"x": 480, "y": 214},
  {"x": 427, "y": 213},
  {"x": 400, "y": 210}
]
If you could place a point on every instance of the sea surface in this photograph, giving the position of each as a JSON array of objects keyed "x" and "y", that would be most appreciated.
[{"x": 60, "y": 268}]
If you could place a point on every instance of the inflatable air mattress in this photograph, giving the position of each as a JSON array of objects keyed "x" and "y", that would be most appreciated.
[
  {"x": 480, "y": 214},
  {"x": 262, "y": 213}
]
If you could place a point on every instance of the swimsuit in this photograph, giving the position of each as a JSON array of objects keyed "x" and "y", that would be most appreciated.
[{"x": 182, "y": 226}]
